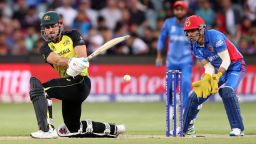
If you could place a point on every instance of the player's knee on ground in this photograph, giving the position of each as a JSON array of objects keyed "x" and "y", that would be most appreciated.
[
  {"x": 90, "y": 128},
  {"x": 232, "y": 107},
  {"x": 99, "y": 128},
  {"x": 39, "y": 101}
]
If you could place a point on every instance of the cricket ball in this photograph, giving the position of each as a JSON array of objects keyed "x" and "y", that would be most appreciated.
[{"x": 127, "y": 77}]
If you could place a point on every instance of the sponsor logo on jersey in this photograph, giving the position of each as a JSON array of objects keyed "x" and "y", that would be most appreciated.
[
  {"x": 219, "y": 43},
  {"x": 64, "y": 52},
  {"x": 212, "y": 58}
]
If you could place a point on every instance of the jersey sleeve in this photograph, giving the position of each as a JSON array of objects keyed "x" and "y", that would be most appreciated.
[
  {"x": 219, "y": 43},
  {"x": 76, "y": 38},
  {"x": 163, "y": 36},
  {"x": 45, "y": 51}
]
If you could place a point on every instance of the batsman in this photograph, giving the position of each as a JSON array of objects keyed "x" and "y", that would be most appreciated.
[
  {"x": 224, "y": 69},
  {"x": 65, "y": 51}
]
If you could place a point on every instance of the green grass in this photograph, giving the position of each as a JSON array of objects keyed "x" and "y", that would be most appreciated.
[{"x": 145, "y": 123}]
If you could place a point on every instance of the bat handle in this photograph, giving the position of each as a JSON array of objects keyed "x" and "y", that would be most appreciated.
[{"x": 86, "y": 59}]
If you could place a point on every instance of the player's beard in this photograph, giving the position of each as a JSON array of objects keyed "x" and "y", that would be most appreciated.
[
  {"x": 194, "y": 38},
  {"x": 53, "y": 36}
]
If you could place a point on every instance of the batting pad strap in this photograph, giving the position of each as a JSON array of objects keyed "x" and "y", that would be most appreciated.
[
  {"x": 89, "y": 128},
  {"x": 107, "y": 129}
]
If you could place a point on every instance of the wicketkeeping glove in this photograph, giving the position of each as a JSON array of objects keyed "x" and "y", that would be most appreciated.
[
  {"x": 214, "y": 82},
  {"x": 202, "y": 87},
  {"x": 76, "y": 66}
]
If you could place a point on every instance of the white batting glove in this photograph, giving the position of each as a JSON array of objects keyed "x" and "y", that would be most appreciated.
[{"x": 76, "y": 65}]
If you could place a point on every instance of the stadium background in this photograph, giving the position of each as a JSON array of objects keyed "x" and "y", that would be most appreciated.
[
  {"x": 101, "y": 20},
  {"x": 19, "y": 59}
]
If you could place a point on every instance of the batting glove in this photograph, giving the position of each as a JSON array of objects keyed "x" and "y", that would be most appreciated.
[{"x": 76, "y": 66}]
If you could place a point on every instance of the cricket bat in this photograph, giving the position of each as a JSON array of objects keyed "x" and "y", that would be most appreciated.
[{"x": 107, "y": 46}]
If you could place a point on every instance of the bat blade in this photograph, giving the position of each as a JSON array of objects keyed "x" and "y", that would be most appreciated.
[{"x": 107, "y": 46}]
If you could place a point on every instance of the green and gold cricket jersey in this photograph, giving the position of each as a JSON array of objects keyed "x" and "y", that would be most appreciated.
[{"x": 64, "y": 48}]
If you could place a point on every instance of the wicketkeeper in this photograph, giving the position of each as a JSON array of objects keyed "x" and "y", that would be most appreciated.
[
  {"x": 224, "y": 69},
  {"x": 65, "y": 52}
]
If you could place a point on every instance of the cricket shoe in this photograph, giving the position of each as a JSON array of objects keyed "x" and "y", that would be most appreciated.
[
  {"x": 63, "y": 131},
  {"x": 51, "y": 134},
  {"x": 236, "y": 132},
  {"x": 191, "y": 132},
  {"x": 120, "y": 129}
]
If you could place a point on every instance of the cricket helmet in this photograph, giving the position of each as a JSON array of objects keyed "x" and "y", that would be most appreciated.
[
  {"x": 194, "y": 22},
  {"x": 51, "y": 18}
]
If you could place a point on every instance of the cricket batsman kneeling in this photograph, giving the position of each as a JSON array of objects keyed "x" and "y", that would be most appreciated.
[
  {"x": 224, "y": 66},
  {"x": 65, "y": 52}
]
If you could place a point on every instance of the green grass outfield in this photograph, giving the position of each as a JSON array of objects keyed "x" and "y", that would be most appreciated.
[{"x": 145, "y": 124}]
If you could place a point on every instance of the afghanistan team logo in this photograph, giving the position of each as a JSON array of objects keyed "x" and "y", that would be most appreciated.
[{"x": 187, "y": 24}]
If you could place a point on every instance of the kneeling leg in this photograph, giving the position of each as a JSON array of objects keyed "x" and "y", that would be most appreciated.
[{"x": 90, "y": 128}]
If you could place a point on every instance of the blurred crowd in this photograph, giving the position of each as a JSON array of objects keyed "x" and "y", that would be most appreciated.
[{"x": 101, "y": 20}]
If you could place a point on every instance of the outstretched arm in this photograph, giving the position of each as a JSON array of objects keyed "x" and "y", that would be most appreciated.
[{"x": 56, "y": 59}]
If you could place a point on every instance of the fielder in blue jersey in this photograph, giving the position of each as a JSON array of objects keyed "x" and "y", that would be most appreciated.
[
  {"x": 224, "y": 69},
  {"x": 179, "y": 55}
]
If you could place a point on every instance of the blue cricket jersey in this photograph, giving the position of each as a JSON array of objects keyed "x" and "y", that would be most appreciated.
[
  {"x": 215, "y": 42},
  {"x": 179, "y": 51}
]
